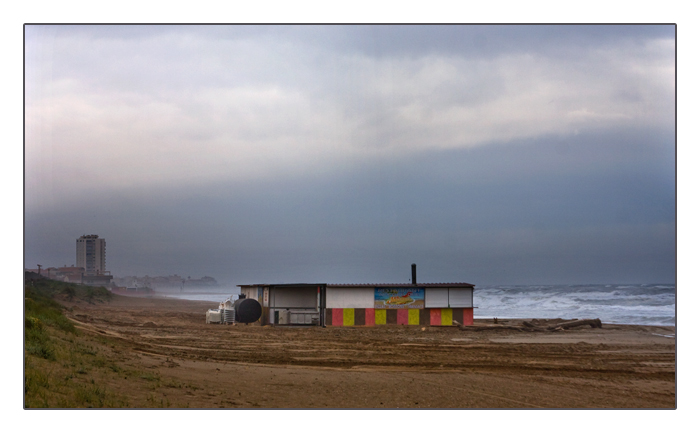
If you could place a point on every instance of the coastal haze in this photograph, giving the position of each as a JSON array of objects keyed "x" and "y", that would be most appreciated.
[
  {"x": 534, "y": 166},
  {"x": 514, "y": 155}
]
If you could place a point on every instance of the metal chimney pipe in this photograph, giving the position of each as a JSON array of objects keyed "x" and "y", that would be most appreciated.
[{"x": 413, "y": 274}]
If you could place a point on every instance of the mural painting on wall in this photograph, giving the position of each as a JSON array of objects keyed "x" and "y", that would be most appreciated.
[{"x": 399, "y": 297}]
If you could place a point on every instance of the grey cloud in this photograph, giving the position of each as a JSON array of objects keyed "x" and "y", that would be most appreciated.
[
  {"x": 488, "y": 213},
  {"x": 343, "y": 154}
]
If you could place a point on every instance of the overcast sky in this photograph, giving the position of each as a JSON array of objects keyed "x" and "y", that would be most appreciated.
[{"x": 342, "y": 154}]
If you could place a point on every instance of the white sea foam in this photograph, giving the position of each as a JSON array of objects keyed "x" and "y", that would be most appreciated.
[
  {"x": 213, "y": 294},
  {"x": 631, "y": 304}
]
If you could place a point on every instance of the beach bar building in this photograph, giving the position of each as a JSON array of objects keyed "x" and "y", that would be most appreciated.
[{"x": 433, "y": 304}]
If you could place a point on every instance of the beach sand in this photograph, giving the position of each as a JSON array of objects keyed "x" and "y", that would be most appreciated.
[{"x": 239, "y": 366}]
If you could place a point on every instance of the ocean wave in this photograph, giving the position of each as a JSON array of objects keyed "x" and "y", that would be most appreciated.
[{"x": 615, "y": 303}]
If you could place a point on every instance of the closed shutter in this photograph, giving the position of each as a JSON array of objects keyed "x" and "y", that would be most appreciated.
[
  {"x": 294, "y": 297},
  {"x": 460, "y": 298},
  {"x": 349, "y": 298},
  {"x": 436, "y": 298}
]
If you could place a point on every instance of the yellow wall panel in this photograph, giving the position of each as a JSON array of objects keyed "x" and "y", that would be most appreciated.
[
  {"x": 446, "y": 316},
  {"x": 380, "y": 317},
  {"x": 414, "y": 317},
  {"x": 348, "y": 317}
]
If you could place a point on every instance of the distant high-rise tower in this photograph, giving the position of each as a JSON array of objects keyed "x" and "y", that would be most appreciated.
[{"x": 90, "y": 254}]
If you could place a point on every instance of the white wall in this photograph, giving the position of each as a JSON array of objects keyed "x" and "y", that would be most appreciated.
[
  {"x": 296, "y": 297},
  {"x": 350, "y": 298},
  {"x": 250, "y": 292}
]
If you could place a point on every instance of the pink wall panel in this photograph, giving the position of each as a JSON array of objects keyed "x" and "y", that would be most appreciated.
[
  {"x": 337, "y": 317},
  {"x": 369, "y": 316},
  {"x": 435, "y": 317},
  {"x": 402, "y": 317},
  {"x": 468, "y": 316}
]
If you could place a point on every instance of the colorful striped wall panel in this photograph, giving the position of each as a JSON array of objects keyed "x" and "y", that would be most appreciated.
[{"x": 372, "y": 317}]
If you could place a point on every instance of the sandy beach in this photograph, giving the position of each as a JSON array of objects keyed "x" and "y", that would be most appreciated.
[{"x": 192, "y": 364}]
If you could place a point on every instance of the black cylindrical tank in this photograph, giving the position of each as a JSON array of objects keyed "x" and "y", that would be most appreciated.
[{"x": 247, "y": 310}]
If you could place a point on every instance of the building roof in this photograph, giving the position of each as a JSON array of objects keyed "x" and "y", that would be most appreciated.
[
  {"x": 282, "y": 285},
  {"x": 365, "y": 285},
  {"x": 435, "y": 285}
]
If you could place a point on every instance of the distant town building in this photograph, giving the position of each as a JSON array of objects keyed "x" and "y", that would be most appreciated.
[
  {"x": 68, "y": 274},
  {"x": 90, "y": 254}
]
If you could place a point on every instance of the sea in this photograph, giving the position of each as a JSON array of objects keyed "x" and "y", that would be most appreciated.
[{"x": 634, "y": 304}]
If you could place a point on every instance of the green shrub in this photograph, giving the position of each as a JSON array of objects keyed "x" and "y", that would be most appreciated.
[
  {"x": 69, "y": 291},
  {"x": 41, "y": 348},
  {"x": 36, "y": 340},
  {"x": 34, "y": 379},
  {"x": 32, "y": 323},
  {"x": 91, "y": 395},
  {"x": 39, "y": 306}
]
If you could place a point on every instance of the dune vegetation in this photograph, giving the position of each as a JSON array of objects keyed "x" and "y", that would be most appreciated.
[{"x": 67, "y": 368}]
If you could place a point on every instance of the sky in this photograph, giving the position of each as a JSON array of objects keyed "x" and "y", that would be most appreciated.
[{"x": 342, "y": 154}]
